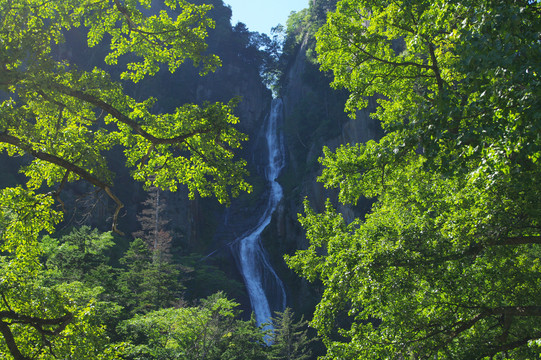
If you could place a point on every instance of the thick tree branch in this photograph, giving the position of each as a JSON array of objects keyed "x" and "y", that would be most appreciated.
[
  {"x": 83, "y": 173},
  {"x": 36, "y": 322},
  {"x": 515, "y": 311},
  {"x": 473, "y": 250},
  {"x": 392, "y": 63},
  {"x": 60, "y": 187},
  {"x": 53, "y": 159},
  {"x": 10, "y": 342},
  {"x": 507, "y": 322},
  {"x": 508, "y": 312},
  {"x": 62, "y": 321},
  {"x": 465, "y": 325},
  {"x": 516, "y": 240},
  {"x": 435, "y": 66},
  {"x": 509, "y": 346},
  {"x": 110, "y": 109}
]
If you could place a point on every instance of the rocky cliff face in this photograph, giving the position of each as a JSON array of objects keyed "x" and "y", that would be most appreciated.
[
  {"x": 326, "y": 124},
  {"x": 314, "y": 118},
  {"x": 193, "y": 223},
  {"x": 205, "y": 215}
]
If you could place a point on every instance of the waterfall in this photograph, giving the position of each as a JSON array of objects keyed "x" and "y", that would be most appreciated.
[{"x": 266, "y": 290}]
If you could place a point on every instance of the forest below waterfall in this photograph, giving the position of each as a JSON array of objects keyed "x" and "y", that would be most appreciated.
[{"x": 133, "y": 159}]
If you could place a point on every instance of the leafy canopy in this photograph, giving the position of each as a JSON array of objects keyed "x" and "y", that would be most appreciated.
[
  {"x": 211, "y": 330},
  {"x": 446, "y": 264},
  {"x": 67, "y": 120}
]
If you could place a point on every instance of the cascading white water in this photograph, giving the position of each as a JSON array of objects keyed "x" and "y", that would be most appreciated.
[{"x": 259, "y": 276}]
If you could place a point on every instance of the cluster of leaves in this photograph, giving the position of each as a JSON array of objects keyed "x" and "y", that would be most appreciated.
[
  {"x": 93, "y": 309},
  {"x": 446, "y": 264},
  {"x": 63, "y": 117},
  {"x": 67, "y": 121},
  {"x": 209, "y": 331},
  {"x": 213, "y": 330},
  {"x": 31, "y": 310}
]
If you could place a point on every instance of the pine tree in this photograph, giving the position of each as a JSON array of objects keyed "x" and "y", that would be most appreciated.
[
  {"x": 147, "y": 285},
  {"x": 153, "y": 225},
  {"x": 290, "y": 339}
]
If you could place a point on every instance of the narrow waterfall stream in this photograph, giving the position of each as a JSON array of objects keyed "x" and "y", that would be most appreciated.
[{"x": 266, "y": 290}]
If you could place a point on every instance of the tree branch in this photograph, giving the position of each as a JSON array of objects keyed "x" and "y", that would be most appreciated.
[
  {"x": 36, "y": 322},
  {"x": 110, "y": 109},
  {"x": 473, "y": 250},
  {"x": 516, "y": 311},
  {"x": 435, "y": 67},
  {"x": 393, "y": 63},
  {"x": 60, "y": 187},
  {"x": 507, "y": 312},
  {"x": 63, "y": 321},
  {"x": 509, "y": 346},
  {"x": 83, "y": 173},
  {"x": 517, "y": 240},
  {"x": 10, "y": 342},
  {"x": 9, "y": 139}
]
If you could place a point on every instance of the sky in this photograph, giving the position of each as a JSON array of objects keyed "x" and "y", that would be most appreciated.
[{"x": 262, "y": 15}]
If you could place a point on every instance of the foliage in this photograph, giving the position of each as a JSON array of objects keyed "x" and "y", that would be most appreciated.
[
  {"x": 446, "y": 264},
  {"x": 204, "y": 277},
  {"x": 40, "y": 313},
  {"x": 147, "y": 283},
  {"x": 302, "y": 26},
  {"x": 208, "y": 331},
  {"x": 153, "y": 223},
  {"x": 246, "y": 341},
  {"x": 78, "y": 256},
  {"x": 290, "y": 339},
  {"x": 68, "y": 309},
  {"x": 68, "y": 120},
  {"x": 212, "y": 330},
  {"x": 94, "y": 310},
  {"x": 271, "y": 50},
  {"x": 59, "y": 115}
]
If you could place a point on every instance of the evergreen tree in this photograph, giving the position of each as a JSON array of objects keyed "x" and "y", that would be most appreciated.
[
  {"x": 145, "y": 285},
  {"x": 245, "y": 341},
  {"x": 79, "y": 256},
  {"x": 290, "y": 340},
  {"x": 153, "y": 223},
  {"x": 210, "y": 331}
]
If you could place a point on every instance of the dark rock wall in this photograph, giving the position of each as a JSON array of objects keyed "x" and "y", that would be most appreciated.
[
  {"x": 193, "y": 223},
  {"x": 314, "y": 118}
]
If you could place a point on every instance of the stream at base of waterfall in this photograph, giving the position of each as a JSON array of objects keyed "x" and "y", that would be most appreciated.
[{"x": 266, "y": 290}]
